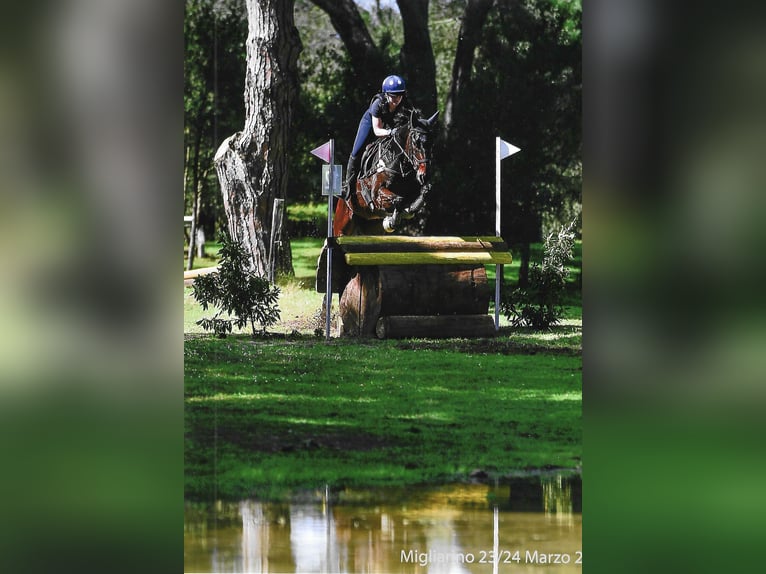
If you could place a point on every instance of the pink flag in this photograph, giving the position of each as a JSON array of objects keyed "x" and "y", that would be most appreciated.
[{"x": 324, "y": 151}]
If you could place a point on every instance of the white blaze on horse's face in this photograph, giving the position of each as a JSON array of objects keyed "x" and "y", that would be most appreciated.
[
  {"x": 421, "y": 175},
  {"x": 419, "y": 141}
]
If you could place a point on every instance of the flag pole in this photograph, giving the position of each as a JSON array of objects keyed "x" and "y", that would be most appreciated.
[
  {"x": 328, "y": 291},
  {"x": 498, "y": 268},
  {"x": 502, "y": 150}
]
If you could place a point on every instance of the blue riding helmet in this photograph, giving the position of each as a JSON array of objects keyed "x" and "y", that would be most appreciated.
[{"x": 393, "y": 85}]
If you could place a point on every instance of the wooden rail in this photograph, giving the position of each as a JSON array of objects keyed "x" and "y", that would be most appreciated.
[
  {"x": 401, "y": 250},
  {"x": 383, "y": 250}
]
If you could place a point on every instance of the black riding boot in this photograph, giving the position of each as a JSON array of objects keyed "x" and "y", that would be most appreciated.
[{"x": 350, "y": 177}]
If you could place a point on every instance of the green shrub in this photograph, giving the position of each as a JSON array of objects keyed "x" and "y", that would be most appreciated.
[
  {"x": 235, "y": 292},
  {"x": 539, "y": 304}
]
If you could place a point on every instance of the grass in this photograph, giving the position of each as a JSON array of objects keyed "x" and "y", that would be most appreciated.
[
  {"x": 209, "y": 260},
  {"x": 266, "y": 418},
  {"x": 288, "y": 412}
]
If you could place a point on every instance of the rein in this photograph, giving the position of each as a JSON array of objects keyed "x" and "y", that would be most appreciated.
[{"x": 414, "y": 163}]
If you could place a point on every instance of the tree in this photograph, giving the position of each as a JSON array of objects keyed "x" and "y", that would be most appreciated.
[
  {"x": 471, "y": 24},
  {"x": 366, "y": 58},
  {"x": 240, "y": 295},
  {"x": 214, "y": 35},
  {"x": 525, "y": 86},
  {"x": 252, "y": 164},
  {"x": 416, "y": 55}
]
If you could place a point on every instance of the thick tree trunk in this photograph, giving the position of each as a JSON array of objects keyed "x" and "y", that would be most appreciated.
[
  {"x": 474, "y": 16},
  {"x": 417, "y": 54},
  {"x": 252, "y": 164}
]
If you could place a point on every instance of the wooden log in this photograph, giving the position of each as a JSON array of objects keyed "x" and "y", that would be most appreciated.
[
  {"x": 434, "y": 326},
  {"x": 393, "y": 244},
  {"x": 434, "y": 290},
  {"x": 432, "y": 258},
  {"x": 411, "y": 290},
  {"x": 360, "y": 304}
]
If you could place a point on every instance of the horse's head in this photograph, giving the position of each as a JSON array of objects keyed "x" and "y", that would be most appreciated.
[{"x": 419, "y": 145}]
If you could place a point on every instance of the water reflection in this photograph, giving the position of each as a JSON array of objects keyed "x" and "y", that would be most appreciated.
[{"x": 436, "y": 530}]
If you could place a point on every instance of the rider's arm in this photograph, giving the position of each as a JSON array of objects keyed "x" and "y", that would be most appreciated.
[{"x": 377, "y": 127}]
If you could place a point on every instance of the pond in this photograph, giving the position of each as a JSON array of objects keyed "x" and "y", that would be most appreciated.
[{"x": 537, "y": 527}]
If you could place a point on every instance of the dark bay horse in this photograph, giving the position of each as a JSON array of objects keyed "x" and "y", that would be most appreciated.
[{"x": 393, "y": 181}]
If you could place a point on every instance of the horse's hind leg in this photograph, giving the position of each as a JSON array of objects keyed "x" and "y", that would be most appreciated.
[{"x": 342, "y": 223}]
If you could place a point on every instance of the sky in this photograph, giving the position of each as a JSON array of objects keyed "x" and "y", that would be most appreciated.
[{"x": 383, "y": 3}]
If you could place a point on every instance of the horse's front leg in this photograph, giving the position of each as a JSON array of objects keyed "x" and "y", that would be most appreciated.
[
  {"x": 410, "y": 211},
  {"x": 391, "y": 222}
]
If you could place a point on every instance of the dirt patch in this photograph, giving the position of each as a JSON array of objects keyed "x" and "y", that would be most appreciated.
[{"x": 293, "y": 441}]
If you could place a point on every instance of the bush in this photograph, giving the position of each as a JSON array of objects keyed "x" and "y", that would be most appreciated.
[
  {"x": 235, "y": 292},
  {"x": 539, "y": 305}
]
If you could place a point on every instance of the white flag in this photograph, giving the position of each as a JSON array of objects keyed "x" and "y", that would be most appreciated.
[{"x": 505, "y": 149}]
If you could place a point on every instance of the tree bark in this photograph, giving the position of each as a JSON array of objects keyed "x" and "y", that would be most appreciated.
[
  {"x": 417, "y": 54},
  {"x": 252, "y": 164},
  {"x": 366, "y": 58},
  {"x": 474, "y": 17}
]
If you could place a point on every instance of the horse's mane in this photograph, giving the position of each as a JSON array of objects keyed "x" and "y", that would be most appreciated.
[{"x": 403, "y": 114}]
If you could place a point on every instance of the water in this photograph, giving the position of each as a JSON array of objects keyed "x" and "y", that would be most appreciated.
[{"x": 436, "y": 529}]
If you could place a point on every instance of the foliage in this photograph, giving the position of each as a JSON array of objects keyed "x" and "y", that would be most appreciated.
[
  {"x": 236, "y": 292},
  {"x": 525, "y": 88},
  {"x": 214, "y": 72},
  {"x": 539, "y": 304}
]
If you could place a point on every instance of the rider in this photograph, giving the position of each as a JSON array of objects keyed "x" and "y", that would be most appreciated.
[{"x": 379, "y": 119}]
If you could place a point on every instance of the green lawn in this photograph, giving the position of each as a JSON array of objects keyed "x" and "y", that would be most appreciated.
[
  {"x": 287, "y": 412},
  {"x": 264, "y": 418}
]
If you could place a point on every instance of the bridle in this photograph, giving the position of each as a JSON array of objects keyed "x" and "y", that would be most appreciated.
[{"x": 420, "y": 165}]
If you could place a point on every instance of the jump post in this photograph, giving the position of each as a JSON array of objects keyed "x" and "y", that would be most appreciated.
[{"x": 400, "y": 286}]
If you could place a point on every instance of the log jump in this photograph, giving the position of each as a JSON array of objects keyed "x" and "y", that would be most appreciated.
[{"x": 398, "y": 286}]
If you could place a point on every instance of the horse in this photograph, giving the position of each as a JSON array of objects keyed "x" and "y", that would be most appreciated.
[{"x": 393, "y": 181}]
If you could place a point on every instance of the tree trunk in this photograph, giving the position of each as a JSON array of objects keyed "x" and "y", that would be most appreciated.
[
  {"x": 524, "y": 265},
  {"x": 365, "y": 56},
  {"x": 252, "y": 164},
  {"x": 474, "y": 16},
  {"x": 195, "y": 202},
  {"x": 417, "y": 54}
]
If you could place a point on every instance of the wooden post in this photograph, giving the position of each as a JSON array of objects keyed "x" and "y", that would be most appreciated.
[{"x": 276, "y": 230}]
